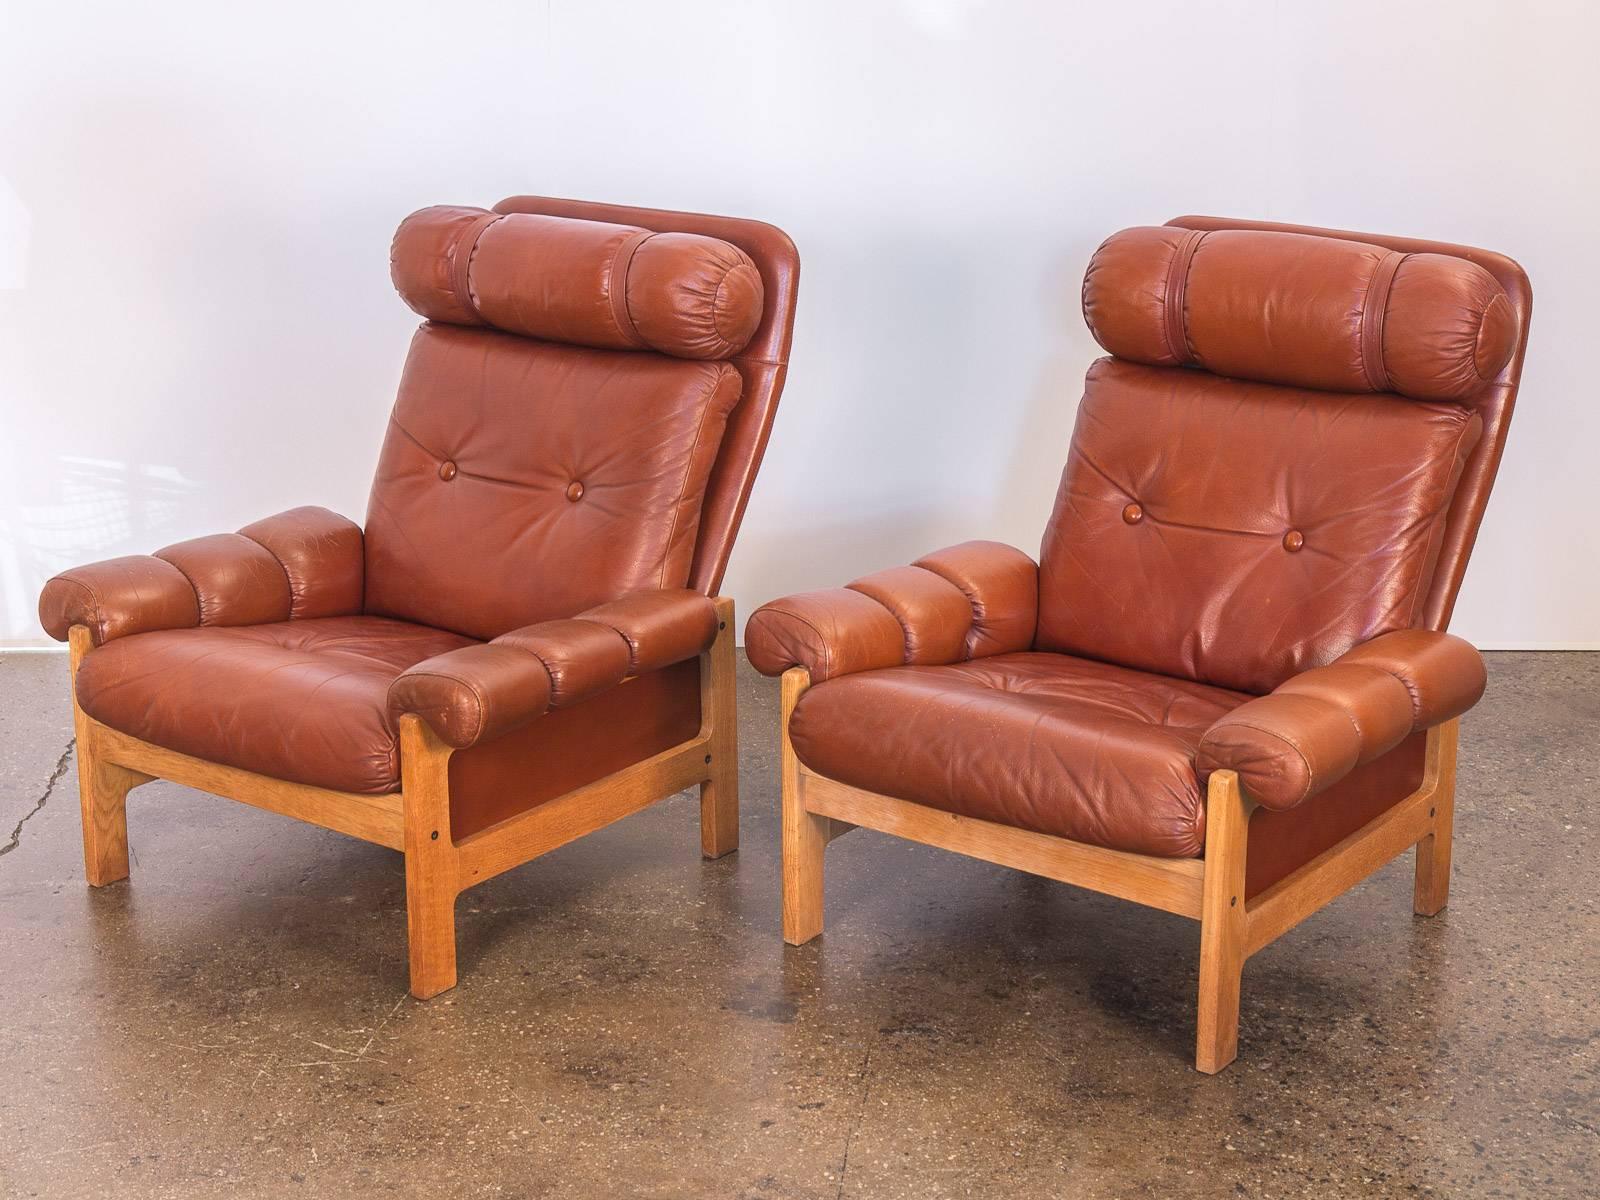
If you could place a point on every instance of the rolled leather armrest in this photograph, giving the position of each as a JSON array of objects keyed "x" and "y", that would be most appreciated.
[
  {"x": 1319, "y": 726},
  {"x": 478, "y": 693},
  {"x": 306, "y": 562},
  {"x": 967, "y": 601}
]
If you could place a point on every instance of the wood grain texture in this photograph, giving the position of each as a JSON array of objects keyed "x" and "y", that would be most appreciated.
[
  {"x": 103, "y": 786},
  {"x": 527, "y": 835},
  {"x": 805, "y": 834},
  {"x": 1222, "y": 924},
  {"x": 1171, "y": 884},
  {"x": 1339, "y": 868},
  {"x": 370, "y": 818},
  {"x": 1431, "y": 889},
  {"x": 719, "y": 794},
  {"x": 432, "y": 860}
]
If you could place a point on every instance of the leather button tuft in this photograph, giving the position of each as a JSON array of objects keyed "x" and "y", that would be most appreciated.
[
  {"x": 1293, "y": 540},
  {"x": 574, "y": 491},
  {"x": 447, "y": 470},
  {"x": 1133, "y": 514}
]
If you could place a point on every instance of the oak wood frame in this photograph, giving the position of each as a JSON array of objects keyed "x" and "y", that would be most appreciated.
[
  {"x": 416, "y": 819},
  {"x": 1210, "y": 890}
]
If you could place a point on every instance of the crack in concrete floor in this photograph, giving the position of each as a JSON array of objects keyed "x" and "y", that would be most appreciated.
[{"x": 49, "y": 789}]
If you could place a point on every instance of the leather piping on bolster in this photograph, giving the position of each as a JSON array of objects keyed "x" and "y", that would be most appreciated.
[
  {"x": 619, "y": 285},
  {"x": 1177, "y": 287},
  {"x": 461, "y": 264},
  {"x": 1373, "y": 313}
]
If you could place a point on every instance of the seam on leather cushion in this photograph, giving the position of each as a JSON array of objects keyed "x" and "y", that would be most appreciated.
[
  {"x": 906, "y": 632},
  {"x": 455, "y": 681},
  {"x": 1499, "y": 309},
  {"x": 1209, "y": 744},
  {"x": 294, "y": 595},
  {"x": 766, "y": 615},
  {"x": 688, "y": 466}
]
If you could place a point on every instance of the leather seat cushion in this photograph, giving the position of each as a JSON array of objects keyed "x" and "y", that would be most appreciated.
[
  {"x": 1047, "y": 742},
  {"x": 304, "y": 701}
]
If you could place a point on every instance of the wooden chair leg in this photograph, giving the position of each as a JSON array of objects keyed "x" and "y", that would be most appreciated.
[
  {"x": 1432, "y": 886},
  {"x": 103, "y": 798},
  {"x": 719, "y": 795},
  {"x": 102, "y": 786},
  {"x": 1222, "y": 924},
  {"x": 432, "y": 877},
  {"x": 805, "y": 835}
]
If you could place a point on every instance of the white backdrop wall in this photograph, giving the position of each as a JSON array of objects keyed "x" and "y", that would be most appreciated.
[{"x": 196, "y": 200}]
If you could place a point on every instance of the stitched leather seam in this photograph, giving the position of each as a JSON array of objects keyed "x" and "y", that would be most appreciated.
[
  {"x": 688, "y": 466},
  {"x": 905, "y": 630},
  {"x": 1272, "y": 733},
  {"x": 633, "y": 646},
  {"x": 282, "y": 566},
  {"x": 199, "y": 603},
  {"x": 461, "y": 264},
  {"x": 1414, "y": 692},
  {"x": 973, "y": 601},
  {"x": 617, "y": 288},
  {"x": 1441, "y": 512},
  {"x": 477, "y": 731},
  {"x": 1175, "y": 326},
  {"x": 1374, "y": 314},
  {"x": 822, "y": 640},
  {"x": 1477, "y": 338},
  {"x": 96, "y": 610},
  {"x": 716, "y": 304}
]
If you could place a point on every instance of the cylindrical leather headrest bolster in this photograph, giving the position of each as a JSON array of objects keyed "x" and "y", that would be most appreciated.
[
  {"x": 1301, "y": 310},
  {"x": 617, "y": 287}
]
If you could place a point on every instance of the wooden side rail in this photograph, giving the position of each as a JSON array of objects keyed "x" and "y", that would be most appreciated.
[
  {"x": 416, "y": 819},
  {"x": 1210, "y": 890}
]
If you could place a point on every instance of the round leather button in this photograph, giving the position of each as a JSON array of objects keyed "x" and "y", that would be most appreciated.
[
  {"x": 1133, "y": 514},
  {"x": 574, "y": 491},
  {"x": 447, "y": 470},
  {"x": 1293, "y": 540}
]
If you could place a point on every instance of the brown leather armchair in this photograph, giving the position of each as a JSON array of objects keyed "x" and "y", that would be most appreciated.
[
  {"x": 1225, "y": 689},
  {"x": 525, "y": 643}
]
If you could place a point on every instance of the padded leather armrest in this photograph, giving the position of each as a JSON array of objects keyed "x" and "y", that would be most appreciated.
[
  {"x": 1316, "y": 728},
  {"x": 478, "y": 693},
  {"x": 971, "y": 600},
  {"x": 306, "y": 562}
]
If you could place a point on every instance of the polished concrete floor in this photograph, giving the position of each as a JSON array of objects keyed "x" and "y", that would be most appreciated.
[{"x": 234, "y": 1021}]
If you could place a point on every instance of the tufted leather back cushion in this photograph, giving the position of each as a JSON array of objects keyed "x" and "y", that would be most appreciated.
[
  {"x": 764, "y": 361},
  {"x": 524, "y": 481},
  {"x": 1271, "y": 469},
  {"x": 1237, "y": 533},
  {"x": 558, "y": 418}
]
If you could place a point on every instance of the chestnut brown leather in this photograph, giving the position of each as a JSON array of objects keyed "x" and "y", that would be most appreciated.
[
  {"x": 1273, "y": 487},
  {"x": 1295, "y": 308},
  {"x": 1493, "y": 404},
  {"x": 120, "y": 596},
  {"x": 321, "y": 553},
  {"x": 569, "y": 747},
  {"x": 1204, "y": 586},
  {"x": 303, "y": 563},
  {"x": 967, "y": 601},
  {"x": 763, "y": 363},
  {"x": 482, "y": 692},
  {"x": 1059, "y": 745},
  {"x": 586, "y": 283},
  {"x": 639, "y": 431},
  {"x": 660, "y": 627},
  {"x": 545, "y": 493},
  {"x": 298, "y": 700},
  {"x": 1281, "y": 840}
]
